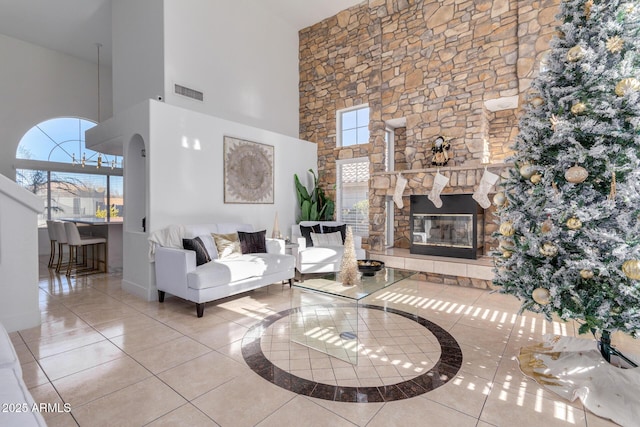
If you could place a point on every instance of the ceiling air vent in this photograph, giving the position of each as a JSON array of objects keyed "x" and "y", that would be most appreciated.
[{"x": 190, "y": 93}]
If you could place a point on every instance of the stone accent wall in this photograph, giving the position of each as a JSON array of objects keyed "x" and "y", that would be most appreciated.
[
  {"x": 400, "y": 146},
  {"x": 440, "y": 62},
  {"x": 433, "y": 63},
  {"x": 338, "y": 58}
]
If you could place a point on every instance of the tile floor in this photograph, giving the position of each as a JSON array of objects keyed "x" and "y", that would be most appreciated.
[{"x": 121, "y": 361}]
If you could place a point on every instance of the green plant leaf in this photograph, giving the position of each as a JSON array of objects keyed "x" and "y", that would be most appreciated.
[
  {"x": 301, "y": 190},
  {"x": 305, "y": 209},
  {"x": 313, "y": 212}
]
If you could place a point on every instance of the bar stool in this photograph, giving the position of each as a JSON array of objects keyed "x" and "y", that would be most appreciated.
[
  {"x": 52, "y": 239},
  {"x": 75, "y": 241},
  {"x": 61, "y": 238}
]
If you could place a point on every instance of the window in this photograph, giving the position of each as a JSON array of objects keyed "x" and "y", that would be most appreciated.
[
  {"x": 53, "y": 163},
  {"x": 353, "y": 126},
  {"x": 353, "y": 194}
]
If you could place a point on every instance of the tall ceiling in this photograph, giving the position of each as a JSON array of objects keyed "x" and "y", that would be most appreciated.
[{"x": 76, "y": 27}]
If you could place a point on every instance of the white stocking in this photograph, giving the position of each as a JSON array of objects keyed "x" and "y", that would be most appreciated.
[
  {"x": 401, "y": 182},
  {"x": 439, "y": 182},
  {"x": 486, "y": 183}
]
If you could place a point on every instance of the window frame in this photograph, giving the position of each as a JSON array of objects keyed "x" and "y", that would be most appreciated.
[
  {"x": 389, "y": 235},
  {"x": 51, "y": 167},
  {"x": 339, "y": 164},
  {"x": 339, "y": 123}
]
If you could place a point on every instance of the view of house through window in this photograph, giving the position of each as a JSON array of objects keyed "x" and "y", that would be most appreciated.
[
  {"x": 74, "y": 182},
  {"x": 353, "y": 124},
  {"x": 353, "y": 194}
]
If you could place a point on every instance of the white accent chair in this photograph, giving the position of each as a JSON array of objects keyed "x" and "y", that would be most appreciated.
[{"x": 319, "y": 259}]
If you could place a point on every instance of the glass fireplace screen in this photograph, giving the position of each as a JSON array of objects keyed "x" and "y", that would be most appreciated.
[{"x": 450, "y": 230}]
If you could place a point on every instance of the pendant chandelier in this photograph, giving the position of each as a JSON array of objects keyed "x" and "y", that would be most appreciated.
[{"x": 100, "y": 161}]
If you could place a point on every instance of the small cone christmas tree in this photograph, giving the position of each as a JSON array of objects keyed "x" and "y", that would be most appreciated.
[
  {"x": 570, "y": 232},
  {"x": 275, "y": 234},
  {"x": 349, "y": 274}
]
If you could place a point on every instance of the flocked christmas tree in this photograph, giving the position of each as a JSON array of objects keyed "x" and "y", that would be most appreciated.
[{"x": 570, "y": 228}]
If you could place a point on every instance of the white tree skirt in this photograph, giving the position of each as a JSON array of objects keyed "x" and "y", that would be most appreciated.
[{"x": 574, "y": 369}]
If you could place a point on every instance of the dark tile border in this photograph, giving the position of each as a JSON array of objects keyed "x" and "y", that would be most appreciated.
[{"x": 443, "y": 371}]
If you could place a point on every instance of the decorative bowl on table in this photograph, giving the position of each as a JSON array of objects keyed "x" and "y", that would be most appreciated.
[{"x": 369, "y": 267}]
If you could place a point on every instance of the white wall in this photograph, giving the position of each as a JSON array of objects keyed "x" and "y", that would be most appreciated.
[
  {"x": 185, "y": 172},
  {"x": 19, "y": 302},
  {"x": 240, "y": 54},
  {"x": 38, "y": 84},
  {"x": 138, "y": 52}
]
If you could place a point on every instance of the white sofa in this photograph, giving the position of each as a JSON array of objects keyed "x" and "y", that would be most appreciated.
[
  {"x": 177, "y": 273},
  {"x": 319, "y": 259},
  {"x": 19, "y": 408}
]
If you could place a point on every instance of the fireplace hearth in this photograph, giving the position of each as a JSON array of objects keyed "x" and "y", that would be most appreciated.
[{"x": 454, "y": 230}]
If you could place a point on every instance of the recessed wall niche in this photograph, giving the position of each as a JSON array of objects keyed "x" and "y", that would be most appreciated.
[{"x": 135, "y": 171}]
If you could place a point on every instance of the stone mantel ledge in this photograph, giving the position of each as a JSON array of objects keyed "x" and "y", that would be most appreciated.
[
  {"x": 462, "y": 179},
  {"x": 491, "y": 166}
]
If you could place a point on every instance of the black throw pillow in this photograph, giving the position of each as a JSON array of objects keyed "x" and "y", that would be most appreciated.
[
  {"x": 333, "y": 228},
  {"x": 197, "y": 245},
  {"x": 253, "y": 243},
  {"x": 306, "y": 232}
]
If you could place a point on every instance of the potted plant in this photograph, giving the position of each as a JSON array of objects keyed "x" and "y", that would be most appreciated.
[{"x": 314, "y": 206}]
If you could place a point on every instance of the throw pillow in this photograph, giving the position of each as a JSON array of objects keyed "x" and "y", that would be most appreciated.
[
  {"x": 333, "y": 228},
  {"x": 253, "y": 243},
  {"x": 307, "y": 230},
  {"x": 202, "y": 256},
  {"x": 228, "y": 245},
  {"x": 326, "y": 239},
  {"x": 209, "y": 245}
]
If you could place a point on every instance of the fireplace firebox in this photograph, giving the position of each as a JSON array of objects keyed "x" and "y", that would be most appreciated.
[{"x": 454, "y": 230}]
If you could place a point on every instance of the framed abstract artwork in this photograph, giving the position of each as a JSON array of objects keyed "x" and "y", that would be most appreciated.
[{"x": 248, "y": 171}]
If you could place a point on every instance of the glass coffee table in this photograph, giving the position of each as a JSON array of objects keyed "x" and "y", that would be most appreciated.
[{"x": 328, "y": 313}]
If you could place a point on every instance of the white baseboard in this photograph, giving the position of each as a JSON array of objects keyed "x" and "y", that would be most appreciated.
[
  {"x": 21, "y": 321},
  {"x": 144, "y": 292}
]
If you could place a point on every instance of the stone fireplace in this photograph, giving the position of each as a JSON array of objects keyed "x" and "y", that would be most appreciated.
[
  {"x": 463, "y": 180},
  {"x": 456, "y": 229},
  {"x": 439, "y": 267}
]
